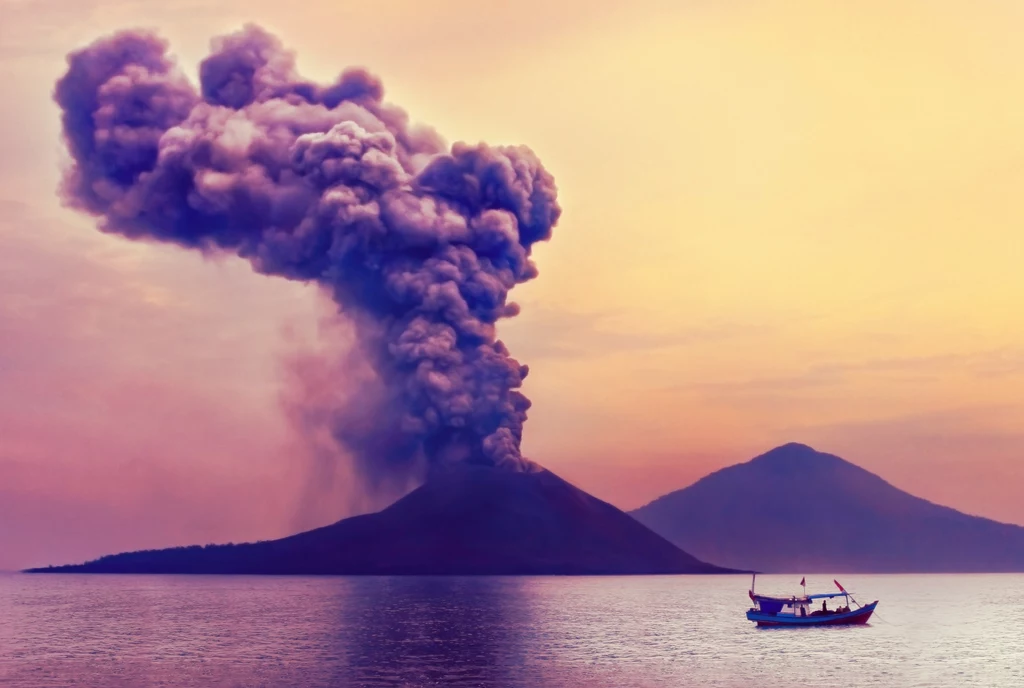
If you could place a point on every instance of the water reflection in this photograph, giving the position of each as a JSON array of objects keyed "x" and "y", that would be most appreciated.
[{"x": 430, "y": 631}]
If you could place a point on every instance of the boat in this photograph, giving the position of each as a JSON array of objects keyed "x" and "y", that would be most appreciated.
[{"x": 804, "y": 611}]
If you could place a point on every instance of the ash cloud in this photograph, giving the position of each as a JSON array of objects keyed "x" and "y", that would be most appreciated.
[{"x": 417, "y": 244}]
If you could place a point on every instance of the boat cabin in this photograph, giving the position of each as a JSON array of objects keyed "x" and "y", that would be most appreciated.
[{"x": 802, "y": 607}]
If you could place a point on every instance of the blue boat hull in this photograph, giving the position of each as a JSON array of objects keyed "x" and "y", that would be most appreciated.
[{"x": 857, "y": 616}]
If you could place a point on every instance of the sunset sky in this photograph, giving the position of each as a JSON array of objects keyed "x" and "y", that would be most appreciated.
[{"x": 783, "y": 221}]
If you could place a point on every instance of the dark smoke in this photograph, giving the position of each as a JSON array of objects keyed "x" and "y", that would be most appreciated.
[{"x": 417, "y": 244}]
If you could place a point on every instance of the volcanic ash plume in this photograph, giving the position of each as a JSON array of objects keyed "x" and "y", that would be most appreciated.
[{"x": 416, "y": 243}]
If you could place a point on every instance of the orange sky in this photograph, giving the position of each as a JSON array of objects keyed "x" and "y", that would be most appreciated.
[{"x": 783, "y": 221}]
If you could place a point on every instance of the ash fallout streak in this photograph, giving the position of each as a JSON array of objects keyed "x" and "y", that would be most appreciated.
[{"x": 418, "y": 244}]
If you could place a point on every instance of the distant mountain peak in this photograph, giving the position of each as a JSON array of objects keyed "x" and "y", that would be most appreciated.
[
  {"x": 797, "y": 509},
  {"x": 794, "y": 457},
  {"x": 789, "y": 450},
  {"x": 792, "y": 447}
]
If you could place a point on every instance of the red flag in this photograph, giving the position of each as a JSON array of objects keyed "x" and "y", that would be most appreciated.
[
  {"x": 838, "y": 586},
  {"x": 803, "y": 581}
]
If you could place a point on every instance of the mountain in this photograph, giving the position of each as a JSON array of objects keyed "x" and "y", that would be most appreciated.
[
  {"x": 473, "y": 520},
  {"x": 798, "y": 510}
]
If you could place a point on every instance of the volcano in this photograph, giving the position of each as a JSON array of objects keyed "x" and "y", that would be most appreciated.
[
  {"x": 465, "y": 521},
  {"x": 797, "y": 509}
]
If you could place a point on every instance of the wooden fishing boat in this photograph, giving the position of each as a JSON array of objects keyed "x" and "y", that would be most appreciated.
[{"x": 804, "y": 611}]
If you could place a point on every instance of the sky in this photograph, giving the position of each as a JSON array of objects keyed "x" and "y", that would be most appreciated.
[{"x": 782, "y": 221}]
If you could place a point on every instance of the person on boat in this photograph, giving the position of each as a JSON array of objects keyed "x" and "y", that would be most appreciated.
[{"x": 824, "y": 606}]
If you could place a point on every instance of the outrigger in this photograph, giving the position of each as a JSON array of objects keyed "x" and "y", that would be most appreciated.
[{"x": 798, "y": 611}]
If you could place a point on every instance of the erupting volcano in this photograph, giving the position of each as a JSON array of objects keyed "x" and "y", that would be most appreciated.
[{"x": 417, "y": 243}]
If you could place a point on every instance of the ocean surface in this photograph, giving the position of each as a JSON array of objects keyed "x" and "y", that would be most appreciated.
[{"x": 86, "y": 630}]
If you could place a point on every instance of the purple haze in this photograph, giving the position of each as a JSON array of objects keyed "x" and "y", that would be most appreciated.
[{"x": 418, "y": 245}]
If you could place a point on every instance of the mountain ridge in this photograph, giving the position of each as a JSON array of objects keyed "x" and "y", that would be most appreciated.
[{"x": 786, "y": 509}]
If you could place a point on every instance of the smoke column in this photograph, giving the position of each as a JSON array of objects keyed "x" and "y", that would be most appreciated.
[{"x": 416, "y": 243}]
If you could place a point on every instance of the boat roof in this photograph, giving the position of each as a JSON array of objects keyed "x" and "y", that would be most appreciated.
[{"x": 826, "y": 595}]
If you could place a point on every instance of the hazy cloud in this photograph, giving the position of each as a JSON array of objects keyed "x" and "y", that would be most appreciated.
[
  {"x": 999, "y": 362},
  {"x": 547, "y": 332}
]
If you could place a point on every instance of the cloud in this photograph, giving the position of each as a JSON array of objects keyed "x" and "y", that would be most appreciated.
[
  {"x": 44, "y": 28},
  {"x": 997, "y": 362},
  {"x": 546, "y": 332}
]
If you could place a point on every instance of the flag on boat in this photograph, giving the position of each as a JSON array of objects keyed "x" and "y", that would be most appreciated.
[
  {"x": 838, "y": 585},
  {"x": 803, "y": 581}
]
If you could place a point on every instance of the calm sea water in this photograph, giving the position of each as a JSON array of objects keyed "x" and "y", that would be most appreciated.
[{"x": 630, "y": 631}]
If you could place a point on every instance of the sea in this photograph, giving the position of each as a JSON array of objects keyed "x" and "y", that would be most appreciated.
[{"x": 110, "y": 631}]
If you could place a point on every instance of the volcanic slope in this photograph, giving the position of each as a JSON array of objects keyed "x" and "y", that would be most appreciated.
[
  {"x": 473, "y": 520},
  {"x": 795, "y": 509}
]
